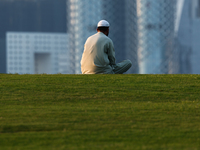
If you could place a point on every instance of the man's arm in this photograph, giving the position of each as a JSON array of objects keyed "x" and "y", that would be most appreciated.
[{"x": 111, "y": 54}]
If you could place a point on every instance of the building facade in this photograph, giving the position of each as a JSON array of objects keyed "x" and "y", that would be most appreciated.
[
  {"x": 156, "y": 37},
  {"x": 37, "y": 53},
  {"x": 188, "y": 36},
  {"x": 83, "y": 17},
  {"x": 30, "y": 16}
]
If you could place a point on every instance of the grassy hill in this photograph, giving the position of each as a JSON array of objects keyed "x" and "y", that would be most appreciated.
[{"x": 99, "y": 112}]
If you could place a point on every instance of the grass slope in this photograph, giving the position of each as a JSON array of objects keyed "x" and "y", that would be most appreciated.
[{"x": 99, "y": 112}]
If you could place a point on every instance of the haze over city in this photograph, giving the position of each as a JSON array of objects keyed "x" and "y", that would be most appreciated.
[{"x": 134, "y": 31}]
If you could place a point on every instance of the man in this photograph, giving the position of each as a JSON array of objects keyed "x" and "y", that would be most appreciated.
[{"x": 99, "y": 54}]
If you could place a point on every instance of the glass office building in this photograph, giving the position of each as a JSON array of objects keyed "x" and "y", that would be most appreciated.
[
  {"x": 83, "y": 16},
  {"x": 156, "y": 36}
]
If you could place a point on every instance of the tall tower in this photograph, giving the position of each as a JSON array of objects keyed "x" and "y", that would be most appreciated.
[
  {"x": 188, "y": 35},
  {"x": 83, "y": 16},
  {"x": 156, "y": 36}
]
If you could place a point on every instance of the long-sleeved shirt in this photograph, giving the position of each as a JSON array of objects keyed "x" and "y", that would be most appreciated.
[{"x": 98, "y": 56}]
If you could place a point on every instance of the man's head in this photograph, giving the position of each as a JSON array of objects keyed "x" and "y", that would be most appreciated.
[{"x": 103, "y": 26}]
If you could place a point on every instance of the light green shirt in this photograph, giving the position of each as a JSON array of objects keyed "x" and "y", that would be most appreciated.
[{"x": 99, "y": 55}]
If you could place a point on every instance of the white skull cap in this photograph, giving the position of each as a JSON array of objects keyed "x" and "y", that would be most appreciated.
[{"x": 103, "y": 23}]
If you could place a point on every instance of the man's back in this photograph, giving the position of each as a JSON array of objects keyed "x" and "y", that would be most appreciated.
[{"x": 98, "y": 56}]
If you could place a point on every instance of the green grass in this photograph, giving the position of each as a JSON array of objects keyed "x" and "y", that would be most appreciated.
[{"x": 100, "y": 112}]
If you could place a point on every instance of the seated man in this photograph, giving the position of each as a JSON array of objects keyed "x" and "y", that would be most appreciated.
[{"x": 99, "y": 54}]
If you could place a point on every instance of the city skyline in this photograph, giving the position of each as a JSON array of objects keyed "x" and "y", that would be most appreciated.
[{"x": 78, "y": 19}]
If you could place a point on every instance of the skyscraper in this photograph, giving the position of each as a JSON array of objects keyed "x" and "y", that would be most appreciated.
[
  {"x": 188, "y": 36},
  {"x": 156, "y": 36},
  {"x": 83, "y": 17}
]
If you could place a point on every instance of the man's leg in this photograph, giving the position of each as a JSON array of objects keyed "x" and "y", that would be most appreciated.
[{"x": 122, "y": 67}]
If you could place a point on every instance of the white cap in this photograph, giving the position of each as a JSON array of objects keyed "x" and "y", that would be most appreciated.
[{"x": 103, "y": 23}]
